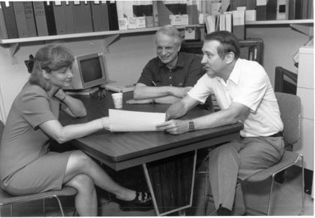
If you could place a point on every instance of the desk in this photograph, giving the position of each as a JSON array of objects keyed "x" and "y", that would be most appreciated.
[{"x": 168, "y": 160}]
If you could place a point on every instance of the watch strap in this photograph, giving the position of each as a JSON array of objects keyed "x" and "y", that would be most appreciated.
[{"x": 191, "y": 126}]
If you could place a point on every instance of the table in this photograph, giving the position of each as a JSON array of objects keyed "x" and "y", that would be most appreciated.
[{"x": 168, "y": 161}]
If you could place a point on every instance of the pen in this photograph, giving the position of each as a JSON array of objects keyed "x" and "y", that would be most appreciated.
[{"x": 153, "y": 83}]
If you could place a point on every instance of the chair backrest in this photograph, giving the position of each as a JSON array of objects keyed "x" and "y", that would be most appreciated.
[{"x": 290, "y": 109}]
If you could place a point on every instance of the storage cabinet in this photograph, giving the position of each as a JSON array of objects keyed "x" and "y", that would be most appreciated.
[{"x": 305, "y": 90}]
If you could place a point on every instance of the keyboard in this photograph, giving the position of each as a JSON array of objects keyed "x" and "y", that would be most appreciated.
[{"x": 118, "y": 87}]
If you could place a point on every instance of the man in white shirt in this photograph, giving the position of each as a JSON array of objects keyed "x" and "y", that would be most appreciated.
[{"x": 244, "y": 94}]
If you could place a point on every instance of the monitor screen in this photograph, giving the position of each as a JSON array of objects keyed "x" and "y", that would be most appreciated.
[{"x": 89, "y": 70}]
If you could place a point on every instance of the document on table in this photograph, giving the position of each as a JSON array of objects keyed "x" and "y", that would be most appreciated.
[{"x": 134, "y": 121}]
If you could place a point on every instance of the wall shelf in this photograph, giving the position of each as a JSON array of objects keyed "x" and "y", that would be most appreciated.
[
  {"x": 106, "y": 34},
  {"x": 81, "y": 35},
  {"x": 279, "y": 22}
]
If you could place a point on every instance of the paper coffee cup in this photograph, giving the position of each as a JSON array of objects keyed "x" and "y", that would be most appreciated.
[{"x": 118, "y": 100}]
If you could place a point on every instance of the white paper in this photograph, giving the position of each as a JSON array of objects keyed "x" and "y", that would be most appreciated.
[{"x": 134, "y": 121}]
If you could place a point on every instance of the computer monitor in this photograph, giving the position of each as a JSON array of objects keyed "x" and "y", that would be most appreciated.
[{"x": 89, "y": 70}]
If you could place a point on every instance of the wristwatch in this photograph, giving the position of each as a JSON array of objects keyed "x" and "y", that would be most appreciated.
[{"x": 191, "y": 126}]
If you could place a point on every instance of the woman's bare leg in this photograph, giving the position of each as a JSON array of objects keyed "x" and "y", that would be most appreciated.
[
  {"x": 80, "y": 163},
  {"x": 86, "y": 199}
]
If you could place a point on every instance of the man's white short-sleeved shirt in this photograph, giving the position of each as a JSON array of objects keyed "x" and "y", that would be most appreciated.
[{"x": 249, "y": 85}]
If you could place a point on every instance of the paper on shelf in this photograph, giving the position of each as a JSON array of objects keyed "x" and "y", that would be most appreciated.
[{"x": 134, "y": 121}]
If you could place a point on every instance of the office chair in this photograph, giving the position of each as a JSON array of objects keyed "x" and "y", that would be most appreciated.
[
  {"x": 9, "y": 200},
  {"x": 290, "y": 108}
]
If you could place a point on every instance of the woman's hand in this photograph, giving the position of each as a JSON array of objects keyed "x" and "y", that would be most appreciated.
[{"x": 60, "y": 95}]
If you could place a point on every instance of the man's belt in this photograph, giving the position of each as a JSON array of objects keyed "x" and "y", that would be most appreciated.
[{"x": 278, "y": 134}]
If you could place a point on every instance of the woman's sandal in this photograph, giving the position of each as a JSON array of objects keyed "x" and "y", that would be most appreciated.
[{"x": 142, "y": 202}]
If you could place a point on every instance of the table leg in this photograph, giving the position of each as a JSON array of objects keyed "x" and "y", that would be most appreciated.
[{"x": 171, "y": 182}]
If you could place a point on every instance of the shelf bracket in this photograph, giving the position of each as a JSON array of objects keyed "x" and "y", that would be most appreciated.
[
  {"x": 13, "y": 48},
  {"x": 303, "y": 28},
  {"x": 110, "y": 40}
]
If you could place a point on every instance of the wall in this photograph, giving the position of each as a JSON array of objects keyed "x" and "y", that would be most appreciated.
[
  {"x": 125, "y": 60},
  {"x": 281, "y": 43},
  {"x": 127, "y": 56}
]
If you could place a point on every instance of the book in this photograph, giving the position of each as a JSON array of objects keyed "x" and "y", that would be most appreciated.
[
  {"x": 20, "y": 19},
  {"x": 40, "y": 18},
  {"x": 100, "y": 16},
  {"x": 50, "y": 18},
  {"x": 30, "y": 19},
  {"x": 60, "y": 17},
  {"x": 210, "y": 21},
  {"x": 69, "y": 17},
  {"x": 3, "y": 28},
  {"x": 228, "y": 21}
]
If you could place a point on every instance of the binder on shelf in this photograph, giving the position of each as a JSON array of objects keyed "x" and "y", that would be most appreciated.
[
  {"x": 163, "y": 14},
  {"x": 250, "y": 4},
  {"x": 271, "y": 10},
  {"x": 86, "y": 17},
  {"x": 291, "y": 9},
  {"x": 193, "y": 14},
  {"x": 310, "y": 11},
  {"x": 69, "y": 17},
  {"x": 113, "y": 16},
  {"x": 305, "y": 4},
  {"x": 266, "y": 10},
  {"x": 60, "y": 18},
  {"x": 30, "y": 19},
  {"x": 239, "y": 24},
  {"x": 3, "y": 28},
  {"x": 40, "y": 18},
  {"x": 50, "y": 18},
  {"x": 155, "y": 13},
  {"x": 100, "y": 16},
  {"x": 82, "y": 17},
  {"x": 20, "y": 19},
  {"x": 298, "y": 9}
]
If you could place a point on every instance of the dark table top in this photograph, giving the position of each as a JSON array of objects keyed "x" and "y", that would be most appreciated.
[{"x": 115, "y": 147}]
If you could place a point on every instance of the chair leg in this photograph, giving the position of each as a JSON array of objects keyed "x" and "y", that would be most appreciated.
[
  {"x": 206, "y": 192},
  {"x": 302, "y": 184},
  {"x": 60, "y": 205},
  {"x": 270, "y": 194}
]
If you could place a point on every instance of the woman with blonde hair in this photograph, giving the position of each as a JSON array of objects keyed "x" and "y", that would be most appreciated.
[{"x": 26, "y": 164}]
